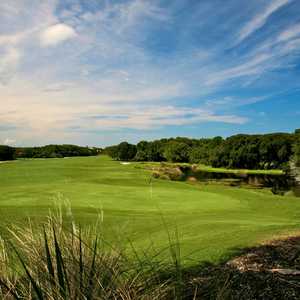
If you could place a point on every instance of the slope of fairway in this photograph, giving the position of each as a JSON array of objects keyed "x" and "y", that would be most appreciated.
[{"x": 211, "y": 220}]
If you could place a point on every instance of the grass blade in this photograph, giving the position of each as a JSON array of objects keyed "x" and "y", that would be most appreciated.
[
  {"x": 92, "y": 270},
  {"x": 35, "y": 286},
  {"x": 80, "y": 260},
  {"x": 9, "y": 290},
  {"x": 49, "y": 260},
  {"x": 59, "y": 267}
]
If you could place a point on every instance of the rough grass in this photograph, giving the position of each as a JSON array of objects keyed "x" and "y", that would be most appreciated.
[
  {"x": 212, "y": 220},
  {"x": 62, "y": 261},
  {"x": 59, "y": 262}
]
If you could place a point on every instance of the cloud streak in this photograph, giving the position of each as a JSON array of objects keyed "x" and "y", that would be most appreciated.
[{"x": 260, "y": 19}]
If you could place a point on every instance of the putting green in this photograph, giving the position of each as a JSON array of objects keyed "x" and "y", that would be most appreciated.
[{"x": 211, "y": 220}]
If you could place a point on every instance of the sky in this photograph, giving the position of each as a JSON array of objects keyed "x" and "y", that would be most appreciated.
[{"x": 97, "y": 72}]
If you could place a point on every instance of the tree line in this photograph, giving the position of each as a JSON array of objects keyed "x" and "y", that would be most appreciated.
[
  {"x": 259, "y": 151},
  {"x": 48, "y": 151},
  {"x": 264, "y": 151},
  {"x": 296, "y": 148},
  {"x": 6, "y": 153}
]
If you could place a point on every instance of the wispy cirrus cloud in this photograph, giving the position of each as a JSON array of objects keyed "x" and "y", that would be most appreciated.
[
  {"x": 261, "y": 18},
  {"x": 289, "y": 33}
]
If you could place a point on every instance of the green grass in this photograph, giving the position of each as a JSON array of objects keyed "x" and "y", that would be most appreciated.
[
  {"x": 206, "y": 168},
  {"x": 240, "y": 171},
  {"x": 212, "y": 220}
]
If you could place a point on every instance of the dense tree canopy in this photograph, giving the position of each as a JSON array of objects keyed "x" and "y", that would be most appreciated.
[
  {"x": 266, "y": 151},
  {"x": 55, "y": 151},
  {"x": 150, "y": 151},
  {"x": 6, "y": 153},
  {"x": 123, "y": 151},
  {"x": 176, "y": 151},
  {"x": 254, "y": 151},
  {"x": 297, "y": 154},
  {"x": 296, "y": 148}
]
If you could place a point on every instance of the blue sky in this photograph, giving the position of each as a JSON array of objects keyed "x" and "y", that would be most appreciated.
[{"x": 96, "y": 72}]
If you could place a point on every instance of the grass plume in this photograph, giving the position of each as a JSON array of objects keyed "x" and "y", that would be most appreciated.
[{"x": 67, "y": 262}]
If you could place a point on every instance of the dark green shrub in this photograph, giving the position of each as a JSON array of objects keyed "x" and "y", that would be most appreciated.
[{"x": 6, "y": 152}]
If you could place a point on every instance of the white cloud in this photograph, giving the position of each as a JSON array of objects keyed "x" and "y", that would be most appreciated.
[
  {"x": 129, "y": 14},
  {"x": 229, "y": 102},
  {"x": 11, "y": 39},
  {"x": 56, "y": 34},
  {"x": 9, "y": 141},
  {"x": 10, "y": 57},
  {"x": 149, "y": 117},
  {"x": 260, "y": 19},
  {"x": 54, "y": 115},
  {"x": 273, "y": 53},
  {"x": 8, "y": 63},
  {"x": 289, "y": 33},
  {"x": 251, "y": 66}
]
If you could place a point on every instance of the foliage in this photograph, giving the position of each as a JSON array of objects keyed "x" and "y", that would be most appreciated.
[
  {"x": 176, "y": 152},
  {"x": 296, "y": 149},
  {"x": 266, "y": 151},
  {"x": 204, "y": 150},
  {"x": 55, "y": 151},
  {"x": 6, "y": 153},
  {"x": 123, "y": 151},
  {"x": 149, "y": 151},
  {"x": 270, "y": 151}
]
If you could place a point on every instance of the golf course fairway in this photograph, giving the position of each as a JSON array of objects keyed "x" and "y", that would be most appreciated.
[{"x": 211, "y": 220}]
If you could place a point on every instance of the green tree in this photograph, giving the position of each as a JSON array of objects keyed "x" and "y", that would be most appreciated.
[
  {"x": 123, "y": 151},
  {"x": 6, "y": 152},
  {"x": 296, "y": 151},
  {"x": 177, "y": 152},
  {"x": 126, "y": 151},
  {"x": 142, "y": 151}
]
